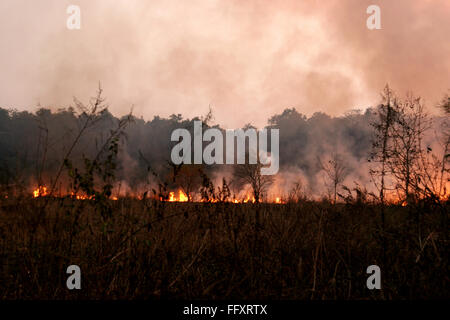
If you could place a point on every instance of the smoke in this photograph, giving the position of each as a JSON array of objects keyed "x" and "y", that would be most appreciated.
[
  {"x": 252, "y": 58},
  {"x": 249, "y": 60},
  {"x": 41, "y": 141}
]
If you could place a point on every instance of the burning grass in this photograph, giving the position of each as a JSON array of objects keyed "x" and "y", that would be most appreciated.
[{"x": 173, "y": 196}]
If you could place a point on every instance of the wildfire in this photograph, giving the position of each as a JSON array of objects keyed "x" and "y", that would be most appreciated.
[
  {"x": 395, "y": 199},
  {"x": 174, "y": 196},
  {"x": 41, "y": 191},
  {"x": 248, "y": 199},
  {"x": 79, "y": 197},
  {"x": 182, "y": 197}
]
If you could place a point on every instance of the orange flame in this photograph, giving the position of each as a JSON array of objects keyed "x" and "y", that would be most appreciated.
[
  {"x": 41, "y": 191},
  {"x": 80, "y": 197},
  {"x": 182, "y": 197},
  {"x": 248, "y": 199}
]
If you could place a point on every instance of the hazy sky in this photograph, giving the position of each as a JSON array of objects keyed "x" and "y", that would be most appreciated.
[{"x": 247, "y": 59}]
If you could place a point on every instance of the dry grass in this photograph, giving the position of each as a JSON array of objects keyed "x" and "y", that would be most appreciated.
[{"x": 151, "y": 249}]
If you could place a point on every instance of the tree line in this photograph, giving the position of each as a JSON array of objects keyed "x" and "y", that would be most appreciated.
[{"x": 393, "y": 147}]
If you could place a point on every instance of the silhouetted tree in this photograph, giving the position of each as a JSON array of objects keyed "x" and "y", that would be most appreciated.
[
  {"x": 335, "y": 170},
  {"x": 409, "y": 125},
  {"x": 251, "y": 174}
]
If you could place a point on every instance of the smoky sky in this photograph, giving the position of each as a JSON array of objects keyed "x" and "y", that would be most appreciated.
[{"x": 247, "y": 60}]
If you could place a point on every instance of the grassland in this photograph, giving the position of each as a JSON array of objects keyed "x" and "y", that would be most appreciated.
[{"x": 146, "y": 249}]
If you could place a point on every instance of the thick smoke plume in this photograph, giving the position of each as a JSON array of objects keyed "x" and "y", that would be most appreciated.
[{"x": 252, "y": 58}]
